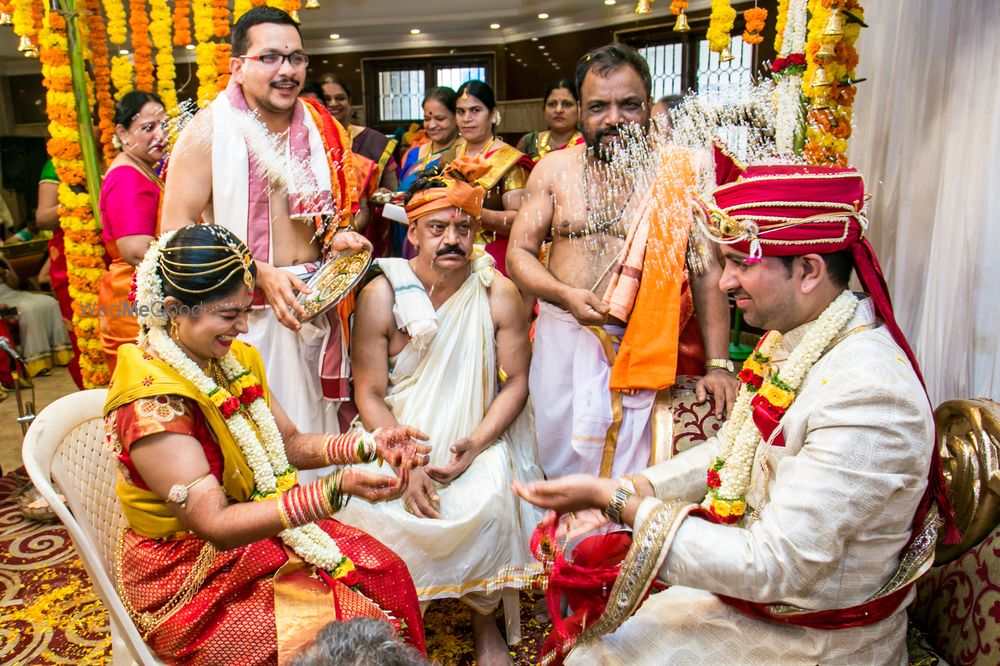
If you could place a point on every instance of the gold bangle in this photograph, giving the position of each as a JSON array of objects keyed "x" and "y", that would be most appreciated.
[
  {"x": 327, "y": 458},
  {"x": 282, "y": 516}
]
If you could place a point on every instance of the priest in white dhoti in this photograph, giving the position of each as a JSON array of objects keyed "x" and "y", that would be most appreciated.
[
  {"x": 276, "y": 170},
  {"x": 446, "y": 350},
  {"x": 794, "y": 536},
  {"x": 619, "y": 316}
]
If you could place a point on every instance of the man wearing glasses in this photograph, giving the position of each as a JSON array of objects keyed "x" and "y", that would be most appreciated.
[{"x": 275, "y": 169}]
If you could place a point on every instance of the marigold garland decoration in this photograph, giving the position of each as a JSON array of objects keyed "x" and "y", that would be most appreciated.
[
  {"x": 25, "y": 20},
  {"x": 114, "y": 11},
  {"x": 220, "y": 18},
  {"x": 754, "y": 18},
  {"x": 223, "y": 51},
  {"x": 678, "y": 6},
  {"x": 138, "y": 23},
  {"x": 204, "y": 56},
  {"x": 240, "y": 7},
  {"x": 160, "y": 25},
  {"x": 121, "y": 75},
  {"x": 830, "y": 47},
  {"x": 720, "y": 25},
  {"x": 204, "y": 50},
  {"x": 182, "y": 22},
  {"x": 779, "y": 25},
  {"x": 83, "y": 245},
  {"x": 102, "y": 78}
]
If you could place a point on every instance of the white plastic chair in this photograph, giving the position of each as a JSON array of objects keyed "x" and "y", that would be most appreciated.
[{"x": 64, "y": 452}]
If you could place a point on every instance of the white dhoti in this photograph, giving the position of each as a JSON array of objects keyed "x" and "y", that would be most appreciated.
[
  {"x": 445, "y": 389},
  {"x": 292, "y": 361},
  {"x": 578, "y": 420}
]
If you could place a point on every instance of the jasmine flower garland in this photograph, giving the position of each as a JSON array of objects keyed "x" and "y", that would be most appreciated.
[{"x": 728, "y": 477}]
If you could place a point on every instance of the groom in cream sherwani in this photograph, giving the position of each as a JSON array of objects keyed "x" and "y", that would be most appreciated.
[{"x": 442, "y": 345}]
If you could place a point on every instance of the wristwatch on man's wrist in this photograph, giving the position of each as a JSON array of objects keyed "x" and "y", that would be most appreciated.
[
  {"x": 619, "y": 498},
  {"x": 723, "y": 363}
]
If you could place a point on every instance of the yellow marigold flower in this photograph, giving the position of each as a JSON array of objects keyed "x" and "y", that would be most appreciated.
[
  {"x": 721, "y": 507},
  {"x": 287, "y": 480},
  {"x": 720, "y": 25},
  {"x": 776, "y": 396},
  {"x": 345, "y": 567}
]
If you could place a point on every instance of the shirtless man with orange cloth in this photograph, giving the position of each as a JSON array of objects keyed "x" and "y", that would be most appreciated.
[{"x": 598, "y": 362}]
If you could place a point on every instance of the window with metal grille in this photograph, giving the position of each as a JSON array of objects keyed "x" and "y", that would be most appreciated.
[
  {"x": 400, "y": 93},
  {"x": 665, "y": 67},
  {"x": 454, "y": 77},
  {"x": 715, "y": 75},
  {"x": 395, "y": 87},
  {"x": 681, "y": 61}
]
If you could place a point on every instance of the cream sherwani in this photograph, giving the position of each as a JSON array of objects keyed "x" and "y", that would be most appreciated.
[
  {"x": 445, "y": 389},
  {"x": 831, "y": 512}
]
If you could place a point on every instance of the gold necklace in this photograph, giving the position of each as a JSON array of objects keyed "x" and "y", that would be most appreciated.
[
  {"x": 216, "y": 372},
  {"x": 460, "y": 152},
  {"x": 144, "y": 169}
]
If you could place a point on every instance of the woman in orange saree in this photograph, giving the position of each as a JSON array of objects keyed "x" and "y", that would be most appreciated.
[
  {"x": 130, "y": 202},
  {"x": 226, "y": 558}
]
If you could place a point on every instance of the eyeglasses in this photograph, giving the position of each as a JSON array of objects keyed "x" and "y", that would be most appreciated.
[{"x": 277, "y": 59}]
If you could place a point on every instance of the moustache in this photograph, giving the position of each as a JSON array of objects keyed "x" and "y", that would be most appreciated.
[
  {"x": 450, "y": 249},
  {"x": 282, "y": 80},
  {"x": 601, "y": 133}
]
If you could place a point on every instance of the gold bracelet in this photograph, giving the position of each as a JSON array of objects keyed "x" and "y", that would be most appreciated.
[{"x": 282, "y": 516}]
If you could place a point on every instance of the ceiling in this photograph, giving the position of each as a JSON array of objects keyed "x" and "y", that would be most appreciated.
[{"x": 367, "y": 25}]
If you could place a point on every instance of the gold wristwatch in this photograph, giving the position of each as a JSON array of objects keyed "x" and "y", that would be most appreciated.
[
  {"x": 723, "y": 363},
  {"x": 619, "y": 498}
]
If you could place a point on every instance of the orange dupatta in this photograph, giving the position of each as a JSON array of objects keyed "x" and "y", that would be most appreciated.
[{"x": 646, "y": 288}]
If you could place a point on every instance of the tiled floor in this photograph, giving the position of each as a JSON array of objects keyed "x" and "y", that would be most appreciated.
[{"x": 47, "y": 389}]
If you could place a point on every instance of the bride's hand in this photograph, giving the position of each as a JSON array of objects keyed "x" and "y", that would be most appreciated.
[
  {"x": 374, "y": 487},
  {"x": 580, "y": 523},
  {"x": 398, "y": 446}
]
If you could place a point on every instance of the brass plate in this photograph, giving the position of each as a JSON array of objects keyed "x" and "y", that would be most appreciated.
[{"x": 334, "y": 280}]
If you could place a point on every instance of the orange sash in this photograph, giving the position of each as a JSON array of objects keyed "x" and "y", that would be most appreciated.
[{"x": 650, "y": 278}]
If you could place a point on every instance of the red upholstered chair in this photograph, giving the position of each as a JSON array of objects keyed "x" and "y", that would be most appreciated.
[{"x": 679, "y": 420}]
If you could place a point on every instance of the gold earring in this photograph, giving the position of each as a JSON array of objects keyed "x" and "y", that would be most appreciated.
[{"x": 173, "y": 328}]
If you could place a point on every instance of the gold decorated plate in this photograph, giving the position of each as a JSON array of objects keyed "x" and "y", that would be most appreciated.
[{"x": 334, "y": 280}]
